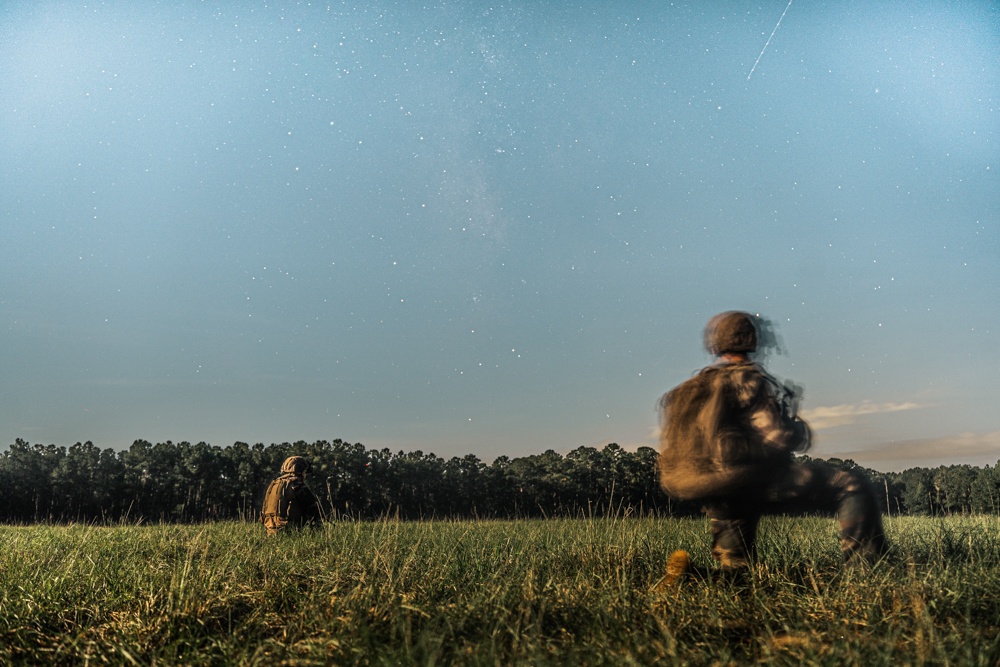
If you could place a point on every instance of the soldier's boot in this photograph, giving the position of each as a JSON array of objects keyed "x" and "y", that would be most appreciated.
[{"x": 678, "y": 564}]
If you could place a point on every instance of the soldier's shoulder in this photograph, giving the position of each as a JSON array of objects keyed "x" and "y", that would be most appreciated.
[
  {"x": 298, "y": 486},
  {"x": 745, "y": 372},
  {"x": 700, "y": 378},
  {"x": 750, "y": 381}
]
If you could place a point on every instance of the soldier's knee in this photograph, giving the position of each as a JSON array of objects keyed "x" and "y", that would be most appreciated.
[{"x": 851, "y": 484}]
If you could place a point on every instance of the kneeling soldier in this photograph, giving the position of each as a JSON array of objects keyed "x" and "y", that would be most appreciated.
[
  {"x": 727, "y": 440},
  {"x": 288, "y": 501}
]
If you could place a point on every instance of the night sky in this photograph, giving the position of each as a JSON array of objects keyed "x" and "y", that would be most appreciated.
[{"x": 458, "y": 227}]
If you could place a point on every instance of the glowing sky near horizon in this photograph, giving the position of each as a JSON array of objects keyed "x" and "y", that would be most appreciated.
[{"x": 495, "y": 229}]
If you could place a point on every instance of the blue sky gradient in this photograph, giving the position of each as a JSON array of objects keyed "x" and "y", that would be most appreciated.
[{"x": 464, "y": 228}]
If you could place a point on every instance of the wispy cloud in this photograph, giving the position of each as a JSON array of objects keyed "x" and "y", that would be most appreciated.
[
  {"x": 841, "y": 415},
  {"x": 972, "y": 448}
]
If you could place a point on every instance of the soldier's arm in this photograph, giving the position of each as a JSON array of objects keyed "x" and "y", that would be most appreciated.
[
  {"x": 316, "y": 511},
  {"x": 308, "y": 503},
  {"x": 776, "y": 428},
  {"x": 780, "y": 432}
]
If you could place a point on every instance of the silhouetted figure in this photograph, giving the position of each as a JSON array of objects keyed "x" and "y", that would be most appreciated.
[
  {"x": 727, "y": 439},
  {"x": 288, "y": 501}
]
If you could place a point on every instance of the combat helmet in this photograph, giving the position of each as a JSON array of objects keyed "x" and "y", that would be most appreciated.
[
  {"x": 731, "y": 331},
  {"x": 296, "y": 465}
]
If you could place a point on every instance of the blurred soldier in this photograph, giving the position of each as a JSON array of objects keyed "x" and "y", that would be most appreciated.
[
  {"x": 727, "y": 439},
  {"x": 288, "y": 501}
]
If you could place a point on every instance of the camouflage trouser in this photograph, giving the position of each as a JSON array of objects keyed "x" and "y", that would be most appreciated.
[{"x": 815, "y": 486}]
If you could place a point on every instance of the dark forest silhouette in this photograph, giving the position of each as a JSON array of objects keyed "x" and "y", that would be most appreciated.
[{"x": 183, "y": 482}]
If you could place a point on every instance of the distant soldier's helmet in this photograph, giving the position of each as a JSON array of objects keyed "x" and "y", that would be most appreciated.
[
  {"x": 731, "y": 331},
  {"x": 296, "y": 465}
]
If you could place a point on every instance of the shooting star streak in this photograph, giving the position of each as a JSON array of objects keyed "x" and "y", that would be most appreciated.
[{"x": 769, "y": 39}]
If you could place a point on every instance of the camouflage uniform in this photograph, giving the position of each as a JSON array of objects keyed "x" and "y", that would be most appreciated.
[
  {"x": 288, "y": 502},
  {"x": 727, "y": 439}
]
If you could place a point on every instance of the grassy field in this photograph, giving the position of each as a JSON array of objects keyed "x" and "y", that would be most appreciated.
[{"x": 578, "y": 592}]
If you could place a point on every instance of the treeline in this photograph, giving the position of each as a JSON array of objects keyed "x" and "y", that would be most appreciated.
[{"x": 199, "y": 482}]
